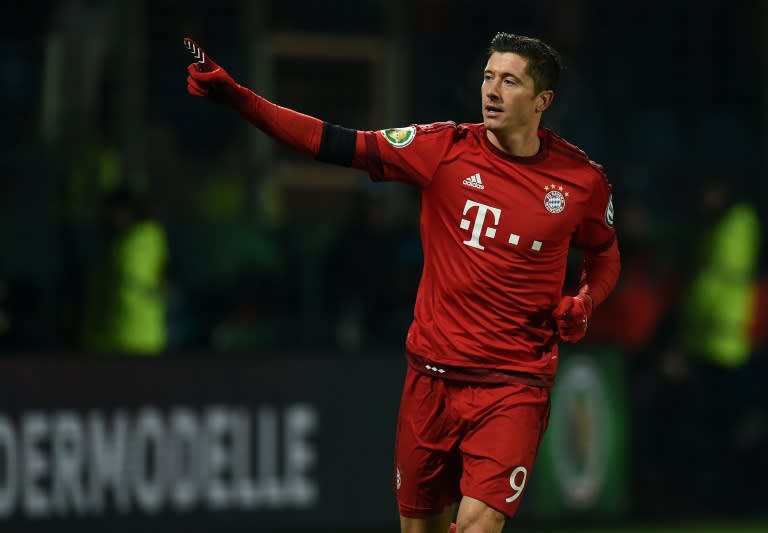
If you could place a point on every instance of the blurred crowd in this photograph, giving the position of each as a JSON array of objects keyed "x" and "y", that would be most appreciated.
[{"x": 692, "y": 322}]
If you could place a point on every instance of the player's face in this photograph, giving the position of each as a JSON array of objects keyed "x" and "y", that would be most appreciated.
[{"x": 510, "y": 100}]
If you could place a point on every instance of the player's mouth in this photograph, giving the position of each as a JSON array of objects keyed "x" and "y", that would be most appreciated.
[{"x": 492, "y": 111}]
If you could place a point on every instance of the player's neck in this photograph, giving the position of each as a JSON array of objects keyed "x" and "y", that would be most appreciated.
[{"x": 520, "y": 143}]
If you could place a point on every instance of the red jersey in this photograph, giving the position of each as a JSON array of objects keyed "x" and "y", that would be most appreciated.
[{"x": 495, "y": 230}]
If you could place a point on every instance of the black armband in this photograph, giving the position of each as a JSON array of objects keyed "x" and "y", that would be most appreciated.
[{"x": 337, "y": 145}]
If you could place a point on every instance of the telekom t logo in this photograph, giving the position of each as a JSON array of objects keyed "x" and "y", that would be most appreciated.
[
  {"x": 490, "y": 231},
  {"x": 477, "y": 229}
]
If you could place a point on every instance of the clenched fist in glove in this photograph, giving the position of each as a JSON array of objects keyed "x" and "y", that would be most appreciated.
[{"x": 572, "y": 315}]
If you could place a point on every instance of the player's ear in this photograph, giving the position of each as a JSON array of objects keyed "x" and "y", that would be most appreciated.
[{"x": 544, "y": 100}]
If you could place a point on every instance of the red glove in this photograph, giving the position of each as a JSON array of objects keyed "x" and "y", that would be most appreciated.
[
  {"x": 572, "y": 315},
  {"x": 207, "y": 78}
]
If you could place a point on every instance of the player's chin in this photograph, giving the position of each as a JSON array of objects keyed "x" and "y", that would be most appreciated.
[{"x": 491, "y": 123}]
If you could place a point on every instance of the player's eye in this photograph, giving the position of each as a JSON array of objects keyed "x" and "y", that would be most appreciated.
[
  {"x": 487, "y": 77},
  {"x": 509, "y": 81}
]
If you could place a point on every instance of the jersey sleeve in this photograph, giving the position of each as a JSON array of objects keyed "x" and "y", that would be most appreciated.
[
  {"x": 411, "y": 155},
  {"x": 596, "y": 232}
]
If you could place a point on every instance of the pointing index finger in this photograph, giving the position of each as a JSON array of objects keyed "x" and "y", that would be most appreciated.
[{"x": 204, "y": 63}]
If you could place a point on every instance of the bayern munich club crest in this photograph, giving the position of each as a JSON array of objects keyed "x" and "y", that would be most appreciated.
[{"x": 554, "y": 199}]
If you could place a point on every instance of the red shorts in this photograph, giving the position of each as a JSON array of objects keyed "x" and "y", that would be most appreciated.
[{"x": 459, "y": 439}]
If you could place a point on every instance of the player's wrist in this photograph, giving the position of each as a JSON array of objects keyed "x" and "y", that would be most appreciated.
[
  {"x": 246, "y": 101},
  {"x": 585, "y": 299}
]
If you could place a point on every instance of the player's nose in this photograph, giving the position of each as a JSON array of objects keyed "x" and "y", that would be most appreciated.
[{"x": 492, "y": 91}]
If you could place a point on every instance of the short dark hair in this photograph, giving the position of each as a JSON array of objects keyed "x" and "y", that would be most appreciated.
[{"x": 544, "y": 63}]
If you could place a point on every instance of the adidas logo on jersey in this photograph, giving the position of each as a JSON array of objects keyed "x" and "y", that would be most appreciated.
[{"x": 474, "y": 181}]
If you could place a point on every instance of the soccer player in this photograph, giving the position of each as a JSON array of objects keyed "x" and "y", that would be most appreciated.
[{"x": 501, "y": 203}]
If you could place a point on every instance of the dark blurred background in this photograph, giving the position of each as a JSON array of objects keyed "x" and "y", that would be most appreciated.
[{"x": 138, "y": 220}]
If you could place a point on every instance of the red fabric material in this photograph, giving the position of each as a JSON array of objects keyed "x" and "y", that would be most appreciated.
[
  {"x": 601, "y": 272},
  {"x": 457, "y": 439},
  {"x": 487, "y": 376},
  {"x": 300, "y": 132},
  {"x": 495, "y": 230}
]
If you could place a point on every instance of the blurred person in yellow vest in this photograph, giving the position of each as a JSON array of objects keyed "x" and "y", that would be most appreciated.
[
  {"x": 720, "y": 380},
  {"x": 719, "y": 305},
  {"x": 125, "y": 307}
]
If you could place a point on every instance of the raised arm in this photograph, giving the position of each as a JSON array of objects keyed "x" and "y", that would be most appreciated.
[{"x": 308, "y": 135}]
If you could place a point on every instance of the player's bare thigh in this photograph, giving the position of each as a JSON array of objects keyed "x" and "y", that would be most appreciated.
[
  {"x": 476, "y": 517},
  {"x": 434, "y": 524}
]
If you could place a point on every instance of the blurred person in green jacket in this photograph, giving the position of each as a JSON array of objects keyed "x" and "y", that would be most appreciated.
[
  {"x": 712, "y": 358},
  {"x": 125, "y": 306},
  {"x": 719, "y": 304}
]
